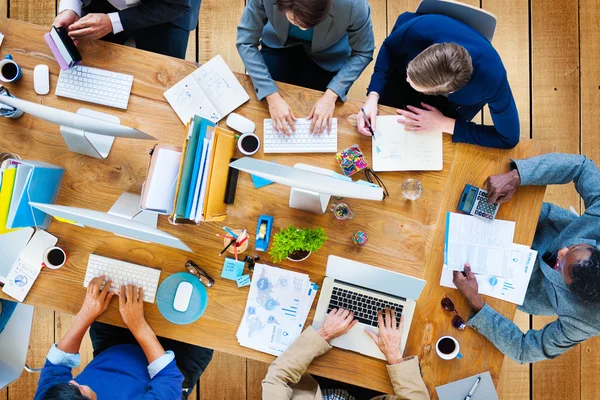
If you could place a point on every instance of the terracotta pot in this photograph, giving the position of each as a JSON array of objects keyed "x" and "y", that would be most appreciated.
[{"x": 299, "y": 259}]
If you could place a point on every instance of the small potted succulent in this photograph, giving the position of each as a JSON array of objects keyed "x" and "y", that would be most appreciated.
[{"x": 296, "y": 244}]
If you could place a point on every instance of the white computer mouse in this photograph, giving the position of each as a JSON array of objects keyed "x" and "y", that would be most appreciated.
[
  {"x": 183, "y": 296},
  {"x": 240, "y": 124},
  {"x": 41, "y": 79}
]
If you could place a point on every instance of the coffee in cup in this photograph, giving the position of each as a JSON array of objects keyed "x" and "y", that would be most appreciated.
[
  {"x": 448, "y": 348},
  {"x": 248, "y": 144},
  {"x": 9, "y": 70},
  {"x": 54, "y": 258}
]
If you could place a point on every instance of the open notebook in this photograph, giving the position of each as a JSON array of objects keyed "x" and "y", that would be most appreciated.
[
  {"x": 396, "y": 149},
  {"x": 212, "y": 91}
]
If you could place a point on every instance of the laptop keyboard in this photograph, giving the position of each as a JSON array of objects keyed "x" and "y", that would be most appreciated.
[{"x": 364, "y": 307}]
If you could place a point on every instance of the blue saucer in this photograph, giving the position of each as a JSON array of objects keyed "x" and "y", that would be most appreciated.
[{"x": 166, "y": 295}]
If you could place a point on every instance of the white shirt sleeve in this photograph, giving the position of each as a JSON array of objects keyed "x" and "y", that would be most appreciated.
[
  {"x": 116, "y": 22},
  {"x": 160, "y": 363},
  {"x": 58, "y": 357},
  {"x": 74, "y": 5}
]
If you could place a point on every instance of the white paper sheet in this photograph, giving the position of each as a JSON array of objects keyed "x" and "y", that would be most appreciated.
[
  {"x": 485, "y": 245},
  {"x": 198, "y": 184},
  {"x": 161, "y": 191},
  {"x": 511, "y": 289},
  {"x": 401, "y": 150}
]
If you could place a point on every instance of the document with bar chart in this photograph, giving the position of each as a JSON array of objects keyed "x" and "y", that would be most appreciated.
[{"x": 278, "y": 304}]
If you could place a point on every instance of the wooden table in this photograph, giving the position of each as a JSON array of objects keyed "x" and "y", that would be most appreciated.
[{"x": 404, "y": 236}]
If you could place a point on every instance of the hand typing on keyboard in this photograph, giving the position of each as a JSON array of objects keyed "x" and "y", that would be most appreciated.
[
  {"x": 337, "y": 323},
  {"x": 321, "y": 114},
  {"x": 390, "y": 336},
  {"x": 96, "y": 300}
]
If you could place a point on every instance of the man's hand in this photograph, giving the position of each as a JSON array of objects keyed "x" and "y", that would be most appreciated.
[
  {"x": 131, "y": 307},
  {"x": 92, "y": 26},
  {"x": 428, "y": 117},
  {"x": 96, "y": 300},
  {"x": 281, "y": 114},
  {"x": 501, "y": 188},
  {"x": 65, "y": 19},
  {"x": 466, "y": 283},
  {"x": 322, "y": 112},
  {"x": 390, "y": 336},
  {"x": 370, "y": 108},
  {"x": 337, "y": 323}
]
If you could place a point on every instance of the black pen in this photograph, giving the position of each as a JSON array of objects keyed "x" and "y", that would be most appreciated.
[
  {"x": 468, "y": 397},
  {"x": 368, "y": 123}
]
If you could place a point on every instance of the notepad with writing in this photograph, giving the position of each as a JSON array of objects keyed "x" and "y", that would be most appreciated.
[
  {"x": 402, "y": 150},
  {"x": 212, "y": 91}
]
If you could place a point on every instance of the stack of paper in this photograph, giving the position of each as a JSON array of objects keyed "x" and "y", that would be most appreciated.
[
  {"x": 502, "y": 268},
  {"x": 278, "y": 304}
]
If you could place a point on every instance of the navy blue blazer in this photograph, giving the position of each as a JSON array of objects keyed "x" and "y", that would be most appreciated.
[
  {"x": 181, "y": 13},
  {"x": 412, "y": 34}
]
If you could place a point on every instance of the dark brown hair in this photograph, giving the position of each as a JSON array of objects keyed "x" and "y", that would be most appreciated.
[
  {"x": 441, "y": 68},
  {"x": 308, "y": 13}
]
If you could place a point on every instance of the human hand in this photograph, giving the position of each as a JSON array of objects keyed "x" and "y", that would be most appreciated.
[
  {"x": 370, "y": 108},
  {"x": 131, "y": 307},
  {"x": 337, "y": 323},
  {"x": 322, "y": 112},
  {"x": 92, "y": 26},
  {"x": 428, "y": 117},
  {"x": 65, "y": 19},
  {"x": 466, "y": 283},
  {"x": 96, "y": 299},
  {"x": 281, "y": 114},
  {"x": 390, "y": 336},
  {"x": 501, "y": 188}
]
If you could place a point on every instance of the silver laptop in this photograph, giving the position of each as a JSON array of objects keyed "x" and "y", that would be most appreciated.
[{"x": 364, "y": 290}]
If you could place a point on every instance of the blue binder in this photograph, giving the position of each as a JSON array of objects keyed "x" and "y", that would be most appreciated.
[{"x": 35, "y": 181}]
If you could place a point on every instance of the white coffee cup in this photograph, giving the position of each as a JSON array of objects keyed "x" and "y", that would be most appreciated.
[
  {"x": 52, "y": 255},
  {"x": 450, "y": 348},
  {"x": 248, "y": 144}
]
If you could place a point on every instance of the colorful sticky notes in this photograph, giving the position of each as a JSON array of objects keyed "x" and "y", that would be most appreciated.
[
  {"x": 260, "y": 182},
  {"x": 232, "y": 269},
  {"x": 243, "y": 280}
]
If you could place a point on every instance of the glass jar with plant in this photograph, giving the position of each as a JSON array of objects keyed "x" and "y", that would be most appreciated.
[{"x": 296, "y": 244}]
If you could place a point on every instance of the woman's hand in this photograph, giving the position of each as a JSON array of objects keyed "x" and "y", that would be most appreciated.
[
  {"x": 92, "y": 26},
  {"x": 370, "y": 108},
  {"x": 337, "y": 323},
  {"x": 390, "y": 336},
  {"x": 96, "y": 299},
  {"x": 131, "y": 307},
  {"x": 281, "y": 114},
  {"x": 322, "y": 112},
  {"x": 428, "y": 117}
]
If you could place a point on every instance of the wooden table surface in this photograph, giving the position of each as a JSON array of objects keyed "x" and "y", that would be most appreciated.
[{"x": 404, "y": 236}]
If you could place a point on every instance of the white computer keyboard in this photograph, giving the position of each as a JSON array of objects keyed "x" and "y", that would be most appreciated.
[
  {"x": 95, "y": 86},
  {"x": 123, "y": 273},
  {"x": 302, "y": 141}
]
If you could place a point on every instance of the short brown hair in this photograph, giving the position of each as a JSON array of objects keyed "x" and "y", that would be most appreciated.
[
  {"x": 442, "y": 68},
  {"x": 309, "y": 13}
]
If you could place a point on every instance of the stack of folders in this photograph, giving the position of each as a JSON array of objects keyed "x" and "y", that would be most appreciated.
[
  {"x": 278, "y": 304},
  {"x": 23, "y": 182},
  {"x": 188, "y": 183}
]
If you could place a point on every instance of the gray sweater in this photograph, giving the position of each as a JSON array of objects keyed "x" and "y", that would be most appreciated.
[{"x": 547, "y": 293}]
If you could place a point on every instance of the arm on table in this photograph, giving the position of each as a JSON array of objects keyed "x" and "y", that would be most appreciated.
[
  {"x": 505, "y": 132},
  {"x": 558, "y": 168}
]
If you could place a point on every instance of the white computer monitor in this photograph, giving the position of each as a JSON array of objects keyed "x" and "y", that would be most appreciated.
[
  {"x": 115, "y": 222},
  {"x": 86, "y": 132},
  {"x": 311, "y": 186}
]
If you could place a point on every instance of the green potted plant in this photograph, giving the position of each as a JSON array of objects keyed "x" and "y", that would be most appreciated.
[{"x": 296, "y": 244}]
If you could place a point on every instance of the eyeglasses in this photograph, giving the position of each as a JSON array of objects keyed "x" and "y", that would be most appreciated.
[
  {"x": 372, "y": 177},
  {"x": 457, "y": 321},
  {"x": 198, "y": 272}
]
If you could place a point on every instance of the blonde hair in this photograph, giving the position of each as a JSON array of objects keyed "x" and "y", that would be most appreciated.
[{"x": 441, "y": 68}]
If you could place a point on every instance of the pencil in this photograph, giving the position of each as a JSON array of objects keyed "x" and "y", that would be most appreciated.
[
  {"x": 230, "y": 232},
  {"x": 232, "y": 241},
  {"x": 225, "y": 236},
  {"x": 242, "y": 241}
]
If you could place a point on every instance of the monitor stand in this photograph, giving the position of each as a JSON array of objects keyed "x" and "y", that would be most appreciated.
[
  {"x": 128, "y": 206},
  {"x": 307, "y": 200},
  {"x": 89, "y": 143}
]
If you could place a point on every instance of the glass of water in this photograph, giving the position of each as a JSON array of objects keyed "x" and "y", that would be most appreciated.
[{"x": 412, "y": 189}]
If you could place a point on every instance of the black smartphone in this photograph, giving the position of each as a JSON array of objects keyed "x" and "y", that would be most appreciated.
[{"x": 68, "y": 42}]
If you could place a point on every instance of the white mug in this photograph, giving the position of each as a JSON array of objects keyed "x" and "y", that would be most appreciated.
[
  {"x": 53, "y": 265},
  {"x": 445, "y": 355},
  {"x": 248, "y": 138}
]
